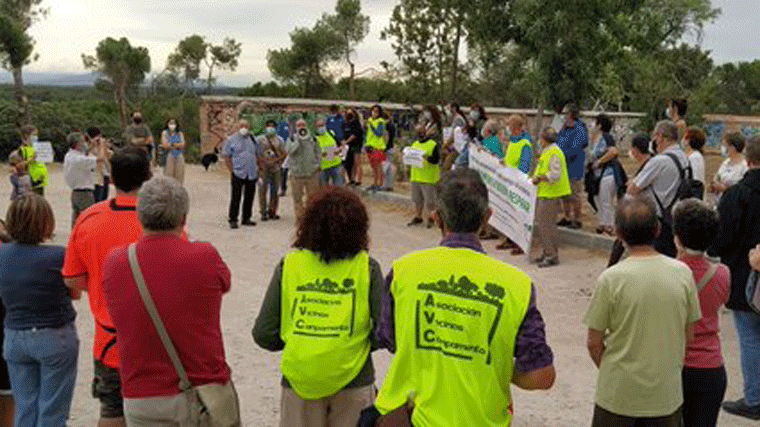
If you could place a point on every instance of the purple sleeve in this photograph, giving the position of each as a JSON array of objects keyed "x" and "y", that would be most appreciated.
[
  {"x": 531, "y": 350},
  {"x": 386, "y": 328}
]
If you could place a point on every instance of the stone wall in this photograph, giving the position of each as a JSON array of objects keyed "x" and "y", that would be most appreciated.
[
  {"x": 717, "y": 125},
  {"x": 219, "y": 114}
]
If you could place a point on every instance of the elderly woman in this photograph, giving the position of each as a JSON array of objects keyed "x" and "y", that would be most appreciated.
[
  {"x": 186, "y": 282},
  {"x": 320, "y": 308},
  {"x": 330, "y": 164},
  {"x": 695, "y": 226},
  {"x": 40, "y": 345},
  {"x": 491, "y": 140},
  {"x": 732, "y": 170}
]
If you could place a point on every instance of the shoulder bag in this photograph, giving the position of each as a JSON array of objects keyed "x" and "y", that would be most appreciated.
[
  {"x": 212, "y": 405},
  {"x": 753, "y": 291}
]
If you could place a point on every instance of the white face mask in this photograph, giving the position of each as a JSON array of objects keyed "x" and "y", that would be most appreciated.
[
  {"x": 243, "y": 131},
  {"x": 172, "y": 127},
  {"x": 667, "y": 112},
  {"x": 724, "y": 150}
]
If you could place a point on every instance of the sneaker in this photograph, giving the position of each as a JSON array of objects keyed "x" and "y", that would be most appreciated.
[
  {"x": 264, "y": 218},
  {"x": 549, "y": 262},
  {"x": 249, "y": 223},
  {"x": 564, "y": 222},
  {"x": 233, "y": 225},
  {"x": 741, "y": 409},
  {"x": 274, "y": 216},
  {"x": 416, "y": 220},
  {"x": 574, "y": 225},
  {"x": 506, "y": 244},
  {"x": 517, "y": 251},
  {"x": 538, "y": 260}
]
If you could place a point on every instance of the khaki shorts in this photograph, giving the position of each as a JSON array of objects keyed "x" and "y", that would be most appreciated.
[{"x": 339, "y": 410}]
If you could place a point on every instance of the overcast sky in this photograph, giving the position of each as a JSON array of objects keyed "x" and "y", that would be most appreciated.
[{"x": 76, "y": 26}]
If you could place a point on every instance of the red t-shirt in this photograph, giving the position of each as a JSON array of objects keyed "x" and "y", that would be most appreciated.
[
  {"x": 704, "y": 350},
  {"x": 96, "y": 232},
  {"x": 186, "y": 281}
]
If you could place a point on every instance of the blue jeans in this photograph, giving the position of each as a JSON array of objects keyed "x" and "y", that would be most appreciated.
[
  {"x": 748, "y": 329},
  {"x": 333, "y": 176},
  {"x": 42, "y": 365}
]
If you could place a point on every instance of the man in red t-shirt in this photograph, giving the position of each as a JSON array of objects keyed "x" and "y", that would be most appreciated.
[
  {"x": 186, "y": 282},
  {"x": 96, "y": 232}
]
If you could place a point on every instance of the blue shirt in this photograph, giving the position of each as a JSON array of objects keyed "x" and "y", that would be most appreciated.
[
  {"x": 526, "y": 156},
  {"x": 335, "y": 123},
  {"x": 283, "y": 130},
  {"x": 493, "y": 145},
  {"x": 32, "y": 288},
  {"x": 573, "y": 142},
  {"x": 242, "y": 150}
]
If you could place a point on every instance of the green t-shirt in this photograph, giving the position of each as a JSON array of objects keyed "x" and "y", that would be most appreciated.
[{"x": 644, "y": 305}]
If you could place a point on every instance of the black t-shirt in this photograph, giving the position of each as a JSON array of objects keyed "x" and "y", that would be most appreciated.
[{"x": 354, "y": 128}]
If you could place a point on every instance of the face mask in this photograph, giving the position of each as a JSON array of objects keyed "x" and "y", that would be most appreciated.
[
  {"x": 427, "y": 116},
  {"x": 270, "y": 131},
  {"x": 322, "y": 130},
  {"x": 172, "y": 127},
  {"x": 653, "y": 146},
  {"x": 243, "y": 131},
  {"x": 474, "y": 115},
  {"x": 85, "y": 147},
  {"x": 449, "y": 112},
  {"x": 667, "y": 112},
  {"x": 137, "y": 120},
  {"x": 303, "y": 132},
  {"x": 34, "y": 138},
  {"x": 724, "y": 150}
]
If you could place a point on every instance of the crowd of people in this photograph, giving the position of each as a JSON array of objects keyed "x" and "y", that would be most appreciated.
[{"x": 462, "y": 326}]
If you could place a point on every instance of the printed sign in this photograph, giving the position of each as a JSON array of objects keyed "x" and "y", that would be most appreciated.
[
  {"x": 329, "y": 152},
  {"x": 413, "y": 157},
  {"x": 451, "y": 314},
  {"x": 511, "y": 194},
  {"x": 325, "y": 309},
  {"x": 460, "y": 140},
  {"x": 44, "y": 151}
]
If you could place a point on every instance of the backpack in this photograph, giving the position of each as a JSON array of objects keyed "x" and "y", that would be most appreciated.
[{"x": 687, "y": 189}]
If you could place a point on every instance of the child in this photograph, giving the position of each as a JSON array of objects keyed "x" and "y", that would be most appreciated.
[
  {"x": 553, "y": 184},
  {"x": 20, "y": 179}
]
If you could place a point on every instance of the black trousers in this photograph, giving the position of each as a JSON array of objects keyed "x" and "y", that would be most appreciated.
[
  {"x": 664, "y": 243},
  {"x": 246, "y": 188},
  {"x": 101, "y": 191},
  {"x": 604, "y": 418},
  {"x": 703, "y": 391}
]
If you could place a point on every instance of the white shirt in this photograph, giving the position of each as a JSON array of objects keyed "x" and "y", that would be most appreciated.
[
  {"x": 730, "y": 174},
  {"x": 697, "y": 162},
  {"x": 78, "y": 170}
]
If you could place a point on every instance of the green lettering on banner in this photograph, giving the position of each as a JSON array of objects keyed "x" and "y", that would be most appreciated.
[
  {"x": 325, "y": 309},
  {"x": 455, "y": 319}
]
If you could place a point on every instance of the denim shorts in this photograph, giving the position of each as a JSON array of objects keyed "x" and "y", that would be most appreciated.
[{"x": 106, "y": 386}]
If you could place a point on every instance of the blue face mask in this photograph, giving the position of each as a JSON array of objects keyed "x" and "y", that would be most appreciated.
[{"x": 322, "y": 130}]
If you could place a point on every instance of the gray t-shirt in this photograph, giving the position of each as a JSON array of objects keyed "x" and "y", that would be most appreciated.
[{"x": 660, "y": 176}]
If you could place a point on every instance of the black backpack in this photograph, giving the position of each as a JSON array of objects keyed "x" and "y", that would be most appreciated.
[{"x": 688, "y": 188}]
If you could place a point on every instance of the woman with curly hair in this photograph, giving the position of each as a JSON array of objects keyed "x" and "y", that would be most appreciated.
[{"x": 320, "y": 308}]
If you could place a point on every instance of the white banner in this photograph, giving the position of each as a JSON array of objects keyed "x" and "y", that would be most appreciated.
[
  {"x": 44, "y": 151},
  {"x": 511, "y": 194},
  {"x": 413, "y": 157}
]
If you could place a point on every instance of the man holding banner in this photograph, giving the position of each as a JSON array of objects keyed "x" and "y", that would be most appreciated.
[{"x": 553, "y": 183}]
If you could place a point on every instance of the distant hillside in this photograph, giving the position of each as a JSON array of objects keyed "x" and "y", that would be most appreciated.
[{"x": 52, "y": 79}]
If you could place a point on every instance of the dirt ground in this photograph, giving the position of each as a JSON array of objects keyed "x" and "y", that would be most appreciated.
[{"x": 251, "y": 253}]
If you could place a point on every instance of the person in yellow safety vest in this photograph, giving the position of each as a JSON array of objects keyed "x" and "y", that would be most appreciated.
[
  {"x": 37, "y": 170},
  {"x": 320, "y": 309},
  {"x": 331, "y": 162},
  {"x": 462, "y": 325},
  {"x": 553, "y": 183},
  {"x": 375, "y": 145},
  {"x": 425, "y": 178},
  {"x": 519, "y": 149}
]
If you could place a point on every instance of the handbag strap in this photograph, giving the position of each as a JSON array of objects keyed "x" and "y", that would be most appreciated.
[
  {"x": 184, "y": 382},
  {"x": 708, "y": 276}
]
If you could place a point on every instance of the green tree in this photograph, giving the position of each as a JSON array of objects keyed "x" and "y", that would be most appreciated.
[
  {"x": 185, "y": 61},
  {"x": 305, "y": 61},
  {"x": 16, "y": 46},
  {"x": 222, "y": 56},
  {"x": 352, "y": 27},
  {"x": 121, "y": 67}
]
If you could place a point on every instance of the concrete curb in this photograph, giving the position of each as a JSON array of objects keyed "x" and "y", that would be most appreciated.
[{"x": 577, "y": 238}]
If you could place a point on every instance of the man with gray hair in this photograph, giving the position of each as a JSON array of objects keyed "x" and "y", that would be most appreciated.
[
  {"x": 660, "y": 180},
  {"x": 186, "y": 282},
  {"x": 78, "y": 171},
  {"x": 476, "y": 318},
  {"x": 304, "y": 156},
  {"x": 240, "y": 157}
]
